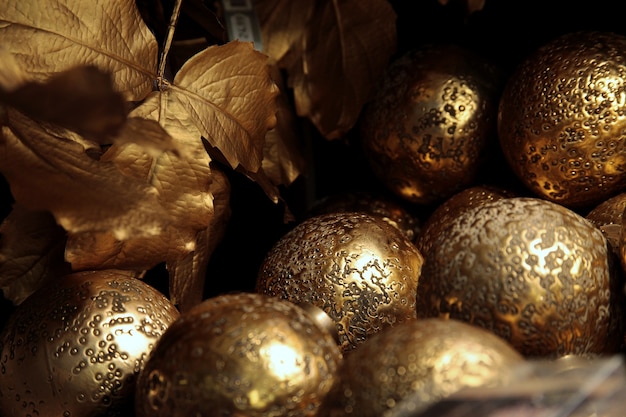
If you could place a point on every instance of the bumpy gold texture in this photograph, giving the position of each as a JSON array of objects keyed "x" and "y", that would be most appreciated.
[
  {"x": 426, "y": 131},
  {"x": 416, "y": 364},
  {"x": 242, "y": 355},
  {"x": 562, "y": 119},
  {"x": 453, "y": 206},
  {"x": 75, "y": 348},
  {"x": 608, "y": 217},
  {"x": 390, "y": 210},
  {"x": 356, "y": 267},
  {"x": 532, "y": 271}
]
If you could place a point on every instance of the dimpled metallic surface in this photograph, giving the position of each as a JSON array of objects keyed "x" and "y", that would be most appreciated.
[
  {"x": 242, "y": 355},
  {"x": 416, "y": 364},
  {"x": 533, "y": 272},
  {"x": 608, "y": 217},
  {"x": 453, "y": 206},
  {"x": 426, "y": 131},
  {"x": 360, "y": 270},
  {"x": 74, "y": 349},
  {"x": 562, "y": 119}
]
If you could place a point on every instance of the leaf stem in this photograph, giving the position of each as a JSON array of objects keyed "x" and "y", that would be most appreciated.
[{"x": 168, "y": 39}]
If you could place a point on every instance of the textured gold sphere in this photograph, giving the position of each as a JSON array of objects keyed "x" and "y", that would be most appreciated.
[
  {"x": 242, "y": 355},
  {"x": 359, "y": 269},
  {"x": 390, "y": 210},
  {"x": 75, "y": 348},
  {"x": 426, "y": 131},
  {"x": 607, "y": 216},
  {"x": 419, "y": 362},
  {"x": 452, "y": 207},
  {"x": 532, "y": 271},
  {"x": 562, "y": 119}
]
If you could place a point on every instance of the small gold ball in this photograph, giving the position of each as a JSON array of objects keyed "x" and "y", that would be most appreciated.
[
  {"x": 239, "y": 354},
  {"x": 420, "y": 362},
  {"x": 562, "y": 120},
  {"x": 608, "y": 217},
  {"x": 427, "y": 130},
  {"x": 359, "y": 269},
  {"x": 533, "y": 272},
  {"x": 76, "y": 347}
]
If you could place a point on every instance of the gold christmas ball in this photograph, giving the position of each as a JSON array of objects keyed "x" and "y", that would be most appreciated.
[
  {"x": 417, "y": 364},
  {"x": 531, "y": 271},
  {"x": 75, "y": 348},
  {"x": 426, "y": 132},
  {"x": 453, "y": 206},
  {"x": 562, "y": 119},
  {"x": 390, "y": 210},
  {"x": 356, "y": 267},
  {"x": 239, "y": 354},
  {"x": 607, "y": 216}
]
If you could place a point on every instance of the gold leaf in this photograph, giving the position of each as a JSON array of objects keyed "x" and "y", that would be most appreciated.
[
  {"x": 31, "y": 252},
  {"x": 81, "y": 99},
  {"x": 338, "y": 59},
  {"x": 50, "y": 36},
  {"x": 188, "y": 274}
]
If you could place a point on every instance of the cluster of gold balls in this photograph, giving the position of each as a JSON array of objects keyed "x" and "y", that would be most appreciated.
[{"x": 360, "y": 307}]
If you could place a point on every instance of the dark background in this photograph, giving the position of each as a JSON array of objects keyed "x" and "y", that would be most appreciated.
[{"x": 505, "y": 31}]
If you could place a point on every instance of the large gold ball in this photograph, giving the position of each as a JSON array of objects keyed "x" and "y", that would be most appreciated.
[
  {"x": 76, "y": 347},
  {"x": 562, "y": 119},
  {"x": 239, "y": 354},
  {"x": 359, "y": 269},
  {"x": 533, "y": 272},
  {"x": 426, "y": 131},
  {"x": 419, "y": 362}
]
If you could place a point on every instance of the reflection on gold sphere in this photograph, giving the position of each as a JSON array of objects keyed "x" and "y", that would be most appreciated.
[
  {"x": 356, "y": 267},
  {"x": 422, "y": 362},
  {"x": 453, "y": 206},
  {"x": 562, "y": 119},
  {"x": 75, "y": 348},
  {"x": 427, "y": 130},
  {"x": 533, "y": 272},
  {"x": 239, "y": 354},
  {"x": 388, "y": 209}
]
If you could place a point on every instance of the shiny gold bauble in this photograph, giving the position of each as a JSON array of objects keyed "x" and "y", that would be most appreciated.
[
  {"x": 532, "y": 271},
  {"x": 76, "y": 347},
  {"x": 453, "y": 206},
  {"x": 419, "y": 363},
  {"x": 356, "y": 267},
  {"x": 390, "y": 210},
  {"x": 608, "y": 217},
  {"x": 562, "y": 119},
  {"x": 242, "y": 355},
  {"x": 426, "y": 131}
]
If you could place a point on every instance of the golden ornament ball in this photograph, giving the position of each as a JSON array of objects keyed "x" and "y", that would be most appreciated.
[
  {"x": 239, "y": 354},
  {"x": 356, "y": 267},
  {"x": 393, "y": 212},
  {"x": 453, "y": 206},
  {"x": 607, "y": 216},
  {"x": 533, "y": 272},
  {"x": 562, "y": 119},
  {"x": 74, "y": 348},
  {"x": 417, "y": 364},
  {"x": 427, "y": 130}
]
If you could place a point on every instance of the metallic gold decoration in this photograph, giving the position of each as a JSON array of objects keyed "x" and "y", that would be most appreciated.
[
  {"x": 239, "y": 354},
  {"x": 359, "y": 269},
  {"x": 419, "y": 362},
  {"x": 562, "y": 122},
  {"x": 533, "y": 272},
  {"x": 427, "y": 130},
  {"x": 607, "y": 216},
  {"x": 75, "y": 348},
  {"x": 452, "y": 207},
  {"x": 387, "y": 208}
]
